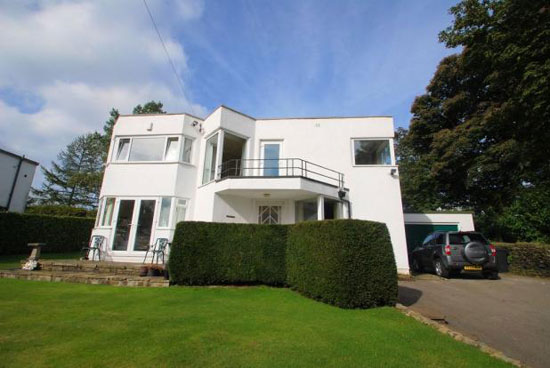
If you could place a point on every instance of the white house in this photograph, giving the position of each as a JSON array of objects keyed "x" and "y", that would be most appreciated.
[
  {"x": 230, "y": 167},
  {"x": 16, "y": 175}
]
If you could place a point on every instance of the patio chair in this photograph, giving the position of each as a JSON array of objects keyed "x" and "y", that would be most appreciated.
[
  {"x": 95, "y": 246},
  {"x": 158, "y": 249}
]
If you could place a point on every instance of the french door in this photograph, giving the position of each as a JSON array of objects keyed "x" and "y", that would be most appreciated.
[{"x": 134, "y": 225}]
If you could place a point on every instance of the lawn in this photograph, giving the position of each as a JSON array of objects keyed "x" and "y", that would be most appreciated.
[
  {"x": 14, "y": 261},
  {"x": 66, "y": 325}
]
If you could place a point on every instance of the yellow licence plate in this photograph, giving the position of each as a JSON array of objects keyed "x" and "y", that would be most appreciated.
[{"x": 472, "y": 268}]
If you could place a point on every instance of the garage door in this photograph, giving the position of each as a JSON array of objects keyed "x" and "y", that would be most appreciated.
[{"x": 416, "y": 233}]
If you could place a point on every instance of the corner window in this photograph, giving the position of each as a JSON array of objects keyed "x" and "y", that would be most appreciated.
[
  {"x": 108, "y": 207},
  {"x": 181, "y": 209},
  {"x": 172, "y": 149},
  {"x": 165, "y": 206},
  {"x": 123, "y": 149},
  {"x": 187, "y": 147},
  {"x": 209, "y": 169},
  {"x": 371, "y": 152}
]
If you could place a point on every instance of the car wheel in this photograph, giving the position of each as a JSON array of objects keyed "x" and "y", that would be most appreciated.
[
  {"x": 416, "y": 265},
  {"x": 440, "y": 269}
]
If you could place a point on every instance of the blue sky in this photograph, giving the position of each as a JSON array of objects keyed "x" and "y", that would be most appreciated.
[{"x": 66, "y": 63}]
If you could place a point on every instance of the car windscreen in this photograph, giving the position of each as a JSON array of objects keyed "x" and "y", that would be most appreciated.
[{"x": 465, "y": 238}]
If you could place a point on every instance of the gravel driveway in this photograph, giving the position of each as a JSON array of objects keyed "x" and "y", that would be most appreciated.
[{"x": 511, "y": 314}]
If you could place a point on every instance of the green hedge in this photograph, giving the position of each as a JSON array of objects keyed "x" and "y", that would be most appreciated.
[
  {"x": 62, "y": 234},
  {"x": 60, "y": 210},
  {"x": 206, "y": 253},
  {"x": 531, "y": 259},
  {"x": 348, "y": 263}
]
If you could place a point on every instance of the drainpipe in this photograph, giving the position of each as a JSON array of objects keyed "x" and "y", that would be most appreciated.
[
  {"x": 349, "y": 207},
  {"x": 14, "y": 182}
]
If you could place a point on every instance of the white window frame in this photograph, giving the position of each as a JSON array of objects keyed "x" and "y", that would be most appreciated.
[
  {"x": 390, "y": 144},
  {"x": 182, "y": 149},
  {"x": 170, "y": 212},
  {"x": 181, "y": 140},
  {"x": 176, "y": 205},
  {"x": 102, "y": 214},
  {"x": 178, "y": 153},
  {"x": 263, "y": 142}
]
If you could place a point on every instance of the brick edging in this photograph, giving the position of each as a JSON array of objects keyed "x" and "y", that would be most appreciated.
[{"x": 459, "y": 337}]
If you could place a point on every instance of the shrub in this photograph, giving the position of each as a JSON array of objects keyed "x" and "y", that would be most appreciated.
[
  {"x": 347, "y": 263},
  {"x": 205, "y": 253},
  {"x": 60, "y": 210},
  {"x": 61, "y": 234},
  {"x": 532, "y": 259}
]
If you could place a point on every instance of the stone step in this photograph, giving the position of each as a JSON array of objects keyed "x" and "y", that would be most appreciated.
[
  {"x": 99, "y": 267},
  {"x": 91, "y": 278}
]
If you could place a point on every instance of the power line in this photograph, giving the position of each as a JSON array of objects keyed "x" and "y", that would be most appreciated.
[{"x": 178, "y": 78}]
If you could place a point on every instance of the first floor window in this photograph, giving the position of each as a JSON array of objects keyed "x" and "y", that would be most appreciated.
[
  {"x": 371, "y": 152},
  {"x": 147, "y": 149},
  {"x": 187, "y": 146},
  {"x": 172, "y": 149},
  {"x": 123, "y": 149},
  {"x": 108, "y": 207},
  {"x": 181, "y": 208},
  {"x": 209, "y": 169},
  {"x": 165, "y": 206}
]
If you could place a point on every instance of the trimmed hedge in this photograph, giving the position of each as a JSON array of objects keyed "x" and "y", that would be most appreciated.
[
  {"x": 347, "y": 263},
  {"x": 62, "y": 234},
  {"x": 207, "y": 253},
  {"x": 59, "y": 210},
  {"x": 531, "y": 259}
]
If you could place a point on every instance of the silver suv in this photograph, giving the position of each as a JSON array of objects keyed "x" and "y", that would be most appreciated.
[{"x": 448, "y": 253}]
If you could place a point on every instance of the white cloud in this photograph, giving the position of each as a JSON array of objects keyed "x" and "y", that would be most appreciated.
[{"x": 82, "y": 58}]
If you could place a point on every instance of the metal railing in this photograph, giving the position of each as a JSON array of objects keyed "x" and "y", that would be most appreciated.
[{"x": 282, "y": 167}]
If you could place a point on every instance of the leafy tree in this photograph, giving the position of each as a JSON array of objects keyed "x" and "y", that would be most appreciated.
[
  {"x": 150, "y": 107},
  {"x": 74, "y": 180},
  {"x": 479, "y": 136}
]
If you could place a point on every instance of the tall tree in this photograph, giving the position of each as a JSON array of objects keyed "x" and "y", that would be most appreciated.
[
  {"x": 74, "y": 180},
  {"x": 479, "y": 136}
]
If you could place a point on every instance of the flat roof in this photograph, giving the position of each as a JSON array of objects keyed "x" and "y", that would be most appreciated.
[
  {"x": 278, "y": 118},
  {"x": 19, "y": 157},
  {"x": 157, "y": 114}
]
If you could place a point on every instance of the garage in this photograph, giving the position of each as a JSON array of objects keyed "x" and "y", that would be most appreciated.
[{"x": 419, "y": 225}]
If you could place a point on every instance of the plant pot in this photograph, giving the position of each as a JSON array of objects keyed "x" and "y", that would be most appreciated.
[
  {"x": 153, "y": 272},
  {"x": 143, "y": 271}
]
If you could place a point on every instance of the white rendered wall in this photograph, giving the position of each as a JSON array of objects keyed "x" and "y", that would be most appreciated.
[
  {"x": 465, "y": 221},
  {"x": 374, "y": 193}
]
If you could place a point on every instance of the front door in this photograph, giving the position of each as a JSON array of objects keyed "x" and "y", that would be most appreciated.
[
  {"x": 269, "y": 214},
  {"x": 134, "y": 225}
]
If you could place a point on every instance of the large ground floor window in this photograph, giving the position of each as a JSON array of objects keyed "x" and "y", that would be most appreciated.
[{"x": 135, "y": 222}]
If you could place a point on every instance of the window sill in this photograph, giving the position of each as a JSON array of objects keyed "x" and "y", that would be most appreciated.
[{"x": 150, "y": 162}]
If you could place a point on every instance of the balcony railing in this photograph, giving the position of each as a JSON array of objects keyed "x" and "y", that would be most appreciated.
[{"x": 283, "y": 167}]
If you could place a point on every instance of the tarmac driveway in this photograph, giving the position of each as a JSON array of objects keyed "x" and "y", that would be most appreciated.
[{"x": 511, "y": 314}]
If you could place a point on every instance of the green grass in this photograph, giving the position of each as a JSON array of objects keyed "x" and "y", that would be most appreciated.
[
  {"x": 14, "y": 261},
  {"x": 71, "y": 325}
]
